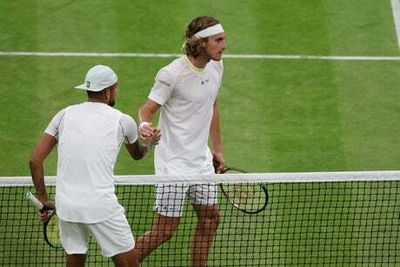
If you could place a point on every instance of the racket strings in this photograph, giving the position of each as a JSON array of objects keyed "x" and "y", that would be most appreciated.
[
  {"x": 246, "y": 196},
  {"x": 240, "y": 192},
  {"x": 52, "y": 231}
]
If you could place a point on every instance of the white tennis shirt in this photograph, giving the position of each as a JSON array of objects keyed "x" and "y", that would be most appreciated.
[
  {"x": 187, "y": 95},
  {"x": 89, "y": 138}
]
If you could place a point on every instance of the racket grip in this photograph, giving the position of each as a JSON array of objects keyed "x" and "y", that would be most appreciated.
[{"x": 34, "y": 200}]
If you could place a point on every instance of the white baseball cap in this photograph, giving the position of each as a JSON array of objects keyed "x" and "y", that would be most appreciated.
[{"x": 98, "y": 78}]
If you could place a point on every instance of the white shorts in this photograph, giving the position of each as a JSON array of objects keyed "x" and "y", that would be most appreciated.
[
  {"x": 171, "y": 198},
  {"x": 114, "y": 236}
]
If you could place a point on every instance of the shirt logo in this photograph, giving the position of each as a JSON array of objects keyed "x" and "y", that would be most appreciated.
[
  {"x": 205, "y": 81},
  {"x": 162, "y": 82}
]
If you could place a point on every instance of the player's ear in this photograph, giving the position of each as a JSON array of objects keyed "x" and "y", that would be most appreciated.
[
  {"x": 204, "y": 43},
  {"x": 108, "y": 93}
]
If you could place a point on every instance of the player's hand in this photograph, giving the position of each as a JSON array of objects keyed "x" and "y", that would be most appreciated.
[
  {"x": 218, "y": 162},
  {"x": 154, "y": 138},
  {"x": 149, "y": 135},
  {"x": 44, "y": 213},
  {"x": 145, "y": 130}
]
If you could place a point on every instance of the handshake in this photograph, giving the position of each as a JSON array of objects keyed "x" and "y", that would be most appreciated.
[{"x": 148, "y": 134}]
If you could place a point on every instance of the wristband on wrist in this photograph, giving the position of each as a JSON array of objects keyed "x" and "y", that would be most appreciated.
[{"x": 142, "y": 124}]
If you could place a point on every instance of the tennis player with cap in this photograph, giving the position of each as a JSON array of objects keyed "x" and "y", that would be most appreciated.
[
  {"x": 185, "y": 92},
  {"x": 89, "y": 136}
]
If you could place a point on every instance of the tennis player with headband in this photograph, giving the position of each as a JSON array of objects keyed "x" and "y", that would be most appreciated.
[{"x": 185, "y": 92}]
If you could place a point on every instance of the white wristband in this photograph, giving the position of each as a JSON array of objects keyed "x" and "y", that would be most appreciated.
[{"x": 142, "y": 124}]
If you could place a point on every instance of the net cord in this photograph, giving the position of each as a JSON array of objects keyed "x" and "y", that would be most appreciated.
[{"x": 290, "y": 177}]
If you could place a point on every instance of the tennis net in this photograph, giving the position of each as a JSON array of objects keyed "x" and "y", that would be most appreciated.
[{"x": 312, "y": 219}]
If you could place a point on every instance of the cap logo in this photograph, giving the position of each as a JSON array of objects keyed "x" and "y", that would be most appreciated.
[{"x": 88, "y": 84}]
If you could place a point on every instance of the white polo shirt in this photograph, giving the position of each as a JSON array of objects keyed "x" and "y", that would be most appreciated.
[
  {"x": 89, "y": 138},
  {"x": 187, "y": 95}
]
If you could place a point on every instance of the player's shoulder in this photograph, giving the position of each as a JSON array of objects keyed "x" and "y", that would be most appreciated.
[
  {"x": 126, "y": 117},
  {"x": 127, "y": 123},
  {"x": 170, "y": 73},
  {"x": 90, "y": 107},
  {"x": 59, "y": 114},
  {"x": 77, "y": 106},
  {"x": 175, "y": 67},
  {"x": 66, "y": 110},
  {"x": 72, "y": 106},
  {"x": 176, "y": 63}
]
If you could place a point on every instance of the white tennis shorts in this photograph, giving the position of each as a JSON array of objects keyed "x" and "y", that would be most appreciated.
[
  {"x": 114, "y": 236},
  {"x": 171, "y": 198}
]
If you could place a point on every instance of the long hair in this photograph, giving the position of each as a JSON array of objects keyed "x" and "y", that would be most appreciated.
[{"x": 193, "y": 44}]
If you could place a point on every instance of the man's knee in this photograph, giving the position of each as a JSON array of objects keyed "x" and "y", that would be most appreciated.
[
  {"x": 165, "y": 228},
  {"x": 210, "y": 221},
  {"x": 166, "y": 233}
]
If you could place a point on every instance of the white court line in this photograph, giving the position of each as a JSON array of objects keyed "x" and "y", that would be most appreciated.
[
  {"x": 396, "y": 16},
  {"x": 167, "y": 55}
]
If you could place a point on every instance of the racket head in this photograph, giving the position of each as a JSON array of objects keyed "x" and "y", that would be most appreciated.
[
  {"x": 250, "y": 198},
  {"x": 51, "y": 226},
  {"x": 51, "y": 231}
]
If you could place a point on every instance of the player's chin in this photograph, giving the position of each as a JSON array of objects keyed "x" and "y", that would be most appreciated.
[{"x": 217, "y": 57}]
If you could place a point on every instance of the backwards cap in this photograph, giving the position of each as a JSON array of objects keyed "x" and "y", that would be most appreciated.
[{"x": 98, "y": 78}]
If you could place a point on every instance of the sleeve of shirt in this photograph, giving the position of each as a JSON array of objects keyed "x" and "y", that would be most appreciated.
[
  {"x": 54, "y": 125},
  {"x": 162, "y": 88},
  {"x": 129, "y": 129}
]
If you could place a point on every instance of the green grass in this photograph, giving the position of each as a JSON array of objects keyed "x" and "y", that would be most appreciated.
[{"x": 277, "y": 115}]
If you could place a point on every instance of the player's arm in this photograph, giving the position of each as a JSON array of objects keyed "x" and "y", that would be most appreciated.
[
  {"x": 137, "y": 150},
  {"x": 159, "y": 95},
  {"x": 42, "y": 149},
  {"x": 146, "y": 115},
  {"x": 215, "y": 134}
]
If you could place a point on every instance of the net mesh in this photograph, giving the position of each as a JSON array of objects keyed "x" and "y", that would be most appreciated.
[{"x": 310, "y": 220}]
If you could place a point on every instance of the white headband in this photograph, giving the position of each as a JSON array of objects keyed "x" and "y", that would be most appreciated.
[{"x": 210, "y": 31}]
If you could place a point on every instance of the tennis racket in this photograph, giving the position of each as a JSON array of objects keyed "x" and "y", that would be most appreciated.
[
  {"x": 50, "y": 227},
  {"x": 248, "y": 198}
]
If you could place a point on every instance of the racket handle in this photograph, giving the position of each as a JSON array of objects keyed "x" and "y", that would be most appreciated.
[{"x": 34, "y": 200}]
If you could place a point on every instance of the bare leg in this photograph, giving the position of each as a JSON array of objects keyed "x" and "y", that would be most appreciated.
[
  {"x": 75, "y": 260},
  {"x": 126, "y": 259},
  {"x": 162, "y": 231},
  {"x": 209, "y": 217}
]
